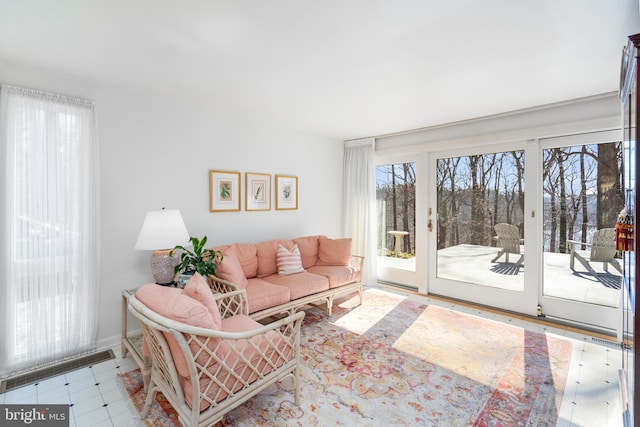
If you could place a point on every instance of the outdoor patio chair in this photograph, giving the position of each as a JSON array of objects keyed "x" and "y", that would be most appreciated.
[
  {"x": 601, "y": 249},
  {"x": 509, "y": 241},
  {"x": 205, "y": 373}
]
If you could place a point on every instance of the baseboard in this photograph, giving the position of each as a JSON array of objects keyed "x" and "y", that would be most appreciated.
[{"x": 32, "y": 377}]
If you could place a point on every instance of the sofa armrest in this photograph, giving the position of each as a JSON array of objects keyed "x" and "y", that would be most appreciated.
[
  {"x": 221, "y": 286},
  {"x": 232, "y": 303},
  {"x": 356, "y": 262}
]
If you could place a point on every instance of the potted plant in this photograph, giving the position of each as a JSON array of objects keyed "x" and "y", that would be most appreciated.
[{"x": 204, "y": 261}]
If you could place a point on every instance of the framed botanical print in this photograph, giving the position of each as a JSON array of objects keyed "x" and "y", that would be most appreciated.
[
  {"x": 286, "y": 192},
  {"x": 257, "y": 188},
  {"x": 224, "y": 191}
]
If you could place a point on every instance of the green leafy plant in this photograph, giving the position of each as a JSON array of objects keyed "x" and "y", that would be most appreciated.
[{"x": 204, "y": 261}]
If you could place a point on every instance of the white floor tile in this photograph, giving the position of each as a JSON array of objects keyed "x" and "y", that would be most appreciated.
[
  {"x": 82, "y": 394},
  {"x": 87, "y": 405},
  {"x": 111, "y": 396},
  {"x": 96, "y": 417},
  {"x": 26, "y": 394},
  {"x": 54, "y": 383},
  {"x": 105, "y": 376},
  {"x": 79, "y": 374},
  {"x": 109, "y": 384},
  {"x": 107, "y": 365},
  {"x": 54, "y": 396}
]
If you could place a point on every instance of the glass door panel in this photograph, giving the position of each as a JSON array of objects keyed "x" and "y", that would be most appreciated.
[
  {"x": 582, "y": 197},
  {"x": 396, "y": 205},
  {"x": 478, "y": 196}
]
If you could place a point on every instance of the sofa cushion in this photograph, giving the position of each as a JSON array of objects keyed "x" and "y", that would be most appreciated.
[
  {"x": 266, "y": 252},
  {"x": 300, "y": 285},
  {"x": 338, "y": 275},
  {"x": 175, "y": 304},
  {"x": 230, "y": 269},
  {"x": 262, "y": 294},
  {"x": 247, "y": 256},
  {"x": 308, "y": 246},
  {"x": 289, "y": 261},
  {"x": 198, "y": 289},
  {"x": 334, "y": 251}
]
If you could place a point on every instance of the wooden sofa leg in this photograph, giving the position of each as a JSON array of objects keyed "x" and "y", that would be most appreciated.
[{"x": 329, "y": 304}]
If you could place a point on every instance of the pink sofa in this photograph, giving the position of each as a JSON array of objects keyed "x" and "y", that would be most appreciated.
[{"x": 283, "y": 275}]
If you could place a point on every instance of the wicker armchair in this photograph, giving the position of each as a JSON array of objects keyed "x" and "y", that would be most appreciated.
[{"x": 225, "y": 368}]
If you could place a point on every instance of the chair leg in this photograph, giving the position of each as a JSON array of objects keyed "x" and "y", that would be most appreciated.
[
  {"x": 614, "y": 262},
  {"x": 296, "y": 384},
  {"x": 572, "y": 259},
  {"x": 151, "y": 395},
  {"x": 146, "y": 373},
  {"x": 502, "y": 251},
  {"x": 584, "y": 263}
]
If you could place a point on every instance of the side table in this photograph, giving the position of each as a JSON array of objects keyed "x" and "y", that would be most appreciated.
[{"x": 132, "y": 343}]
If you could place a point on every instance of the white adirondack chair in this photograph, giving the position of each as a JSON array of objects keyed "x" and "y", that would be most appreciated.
[
  {"x": 509, "y": 241},
  {"x": 601, "y": 249}
]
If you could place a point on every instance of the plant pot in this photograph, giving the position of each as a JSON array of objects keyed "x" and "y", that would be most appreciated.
[{"x": 183, "y": 278}]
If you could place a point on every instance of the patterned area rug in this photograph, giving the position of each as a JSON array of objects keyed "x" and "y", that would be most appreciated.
[{"x": 396, "y": 362}]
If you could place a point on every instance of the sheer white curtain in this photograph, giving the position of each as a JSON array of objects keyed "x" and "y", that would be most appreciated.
[
  {"x": 48, "y": 228},
  {"x": 359, "y": 203}
]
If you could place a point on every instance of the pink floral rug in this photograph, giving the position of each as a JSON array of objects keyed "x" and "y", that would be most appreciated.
[{"x": 396, "y": 362}]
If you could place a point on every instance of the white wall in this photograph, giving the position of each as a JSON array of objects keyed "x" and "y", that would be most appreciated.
[{"x": 157, "y": 152}]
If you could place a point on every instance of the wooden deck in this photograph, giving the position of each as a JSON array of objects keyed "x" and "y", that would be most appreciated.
[{"x": 472, "y": 264}]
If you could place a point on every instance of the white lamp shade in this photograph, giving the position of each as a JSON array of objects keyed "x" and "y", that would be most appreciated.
[{"x": 162, "y": 230}]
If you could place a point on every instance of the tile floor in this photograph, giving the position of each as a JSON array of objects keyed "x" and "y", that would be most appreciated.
[{"x": 591, "y": 394}]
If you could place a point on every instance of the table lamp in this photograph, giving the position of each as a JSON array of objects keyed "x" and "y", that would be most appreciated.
[{"x": 161, "y": 231}]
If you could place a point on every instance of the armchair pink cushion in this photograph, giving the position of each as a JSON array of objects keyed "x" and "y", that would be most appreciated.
[
  {"x": 175, "y": 304},
  {"x": 334, "y": 251},
  {"x": 264, "y": 353},
  {"x": 198, "y": 289}
]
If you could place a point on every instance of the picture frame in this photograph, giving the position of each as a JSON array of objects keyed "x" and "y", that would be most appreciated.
[
  {"x": 257, "y": 188},
  {"x": 224, "y": 191},
  {"x": 286, "y": 192}
]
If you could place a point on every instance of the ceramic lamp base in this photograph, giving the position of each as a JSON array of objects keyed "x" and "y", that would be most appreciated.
[{"x": 162, "y": 267}]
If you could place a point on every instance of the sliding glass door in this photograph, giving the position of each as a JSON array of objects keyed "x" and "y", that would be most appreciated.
[
  {"x": 529, "y": 227},
  {"x": 477, "y": 223},
  {"x": 582, "y": 195}
]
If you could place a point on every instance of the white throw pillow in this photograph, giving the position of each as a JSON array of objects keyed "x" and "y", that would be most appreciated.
[{"x": 289, "y": 262}]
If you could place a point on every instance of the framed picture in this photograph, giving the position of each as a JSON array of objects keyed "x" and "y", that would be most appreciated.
[
  {"x": 286, "y": 192},
  {"x": 257, "y": 188},
  {"x": 224, "y": 191}
]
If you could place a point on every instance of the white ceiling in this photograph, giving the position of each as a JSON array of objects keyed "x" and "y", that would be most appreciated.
[{"x": 338, "y": 68}]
